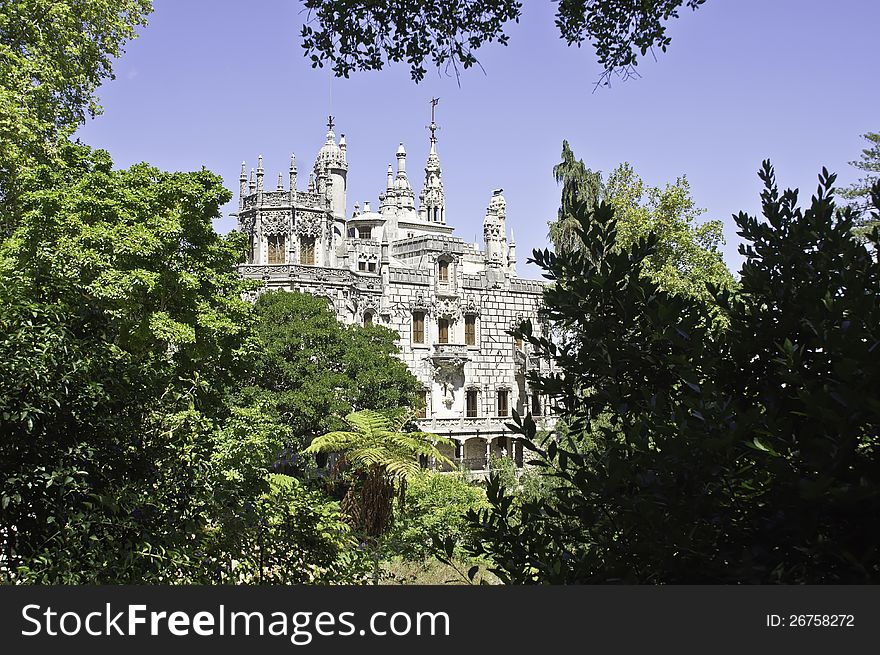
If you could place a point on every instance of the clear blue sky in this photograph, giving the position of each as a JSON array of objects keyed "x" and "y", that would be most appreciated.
[{"x": 214, "y": 82}]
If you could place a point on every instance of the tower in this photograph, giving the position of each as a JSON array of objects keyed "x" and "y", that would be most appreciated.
[
  {"x": 331, "y": 171},
  {"x": 495, "y": 231}
]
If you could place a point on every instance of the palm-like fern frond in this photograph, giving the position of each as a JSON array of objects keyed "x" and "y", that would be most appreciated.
[{"x": 377, "y": 440}]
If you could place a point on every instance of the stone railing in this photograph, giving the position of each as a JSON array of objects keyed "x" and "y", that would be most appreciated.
[
  {"x": 450, "y": 351},
  {"x": 297, "y": 272},
  {"x": 408, "y": 276},
  {"x": 275, "y": 199},
  {"x": 490, "y": 426},
  {"x": 306, "y": 199},
  {"x": 464, "y": 424}
]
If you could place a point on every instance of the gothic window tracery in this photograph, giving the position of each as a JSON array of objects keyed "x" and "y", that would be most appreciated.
[
  {"x": 307, "y": 251},
  {"x": 275, "y": 250}
]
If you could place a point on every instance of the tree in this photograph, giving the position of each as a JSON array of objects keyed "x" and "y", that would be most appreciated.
[
  {"x": 382, "y": 455},
  {"x": 579, "y": 184},
  {"x": 362, "y": 35},
  {"x": 123, "y": 327},
  {"x": 53, "y": 56},
  {"x": 748, "y": 455},
  {"x": 859, "y": 193},
  {"x": 687, "y": 256},
  {"x": 311, "y": 370}
]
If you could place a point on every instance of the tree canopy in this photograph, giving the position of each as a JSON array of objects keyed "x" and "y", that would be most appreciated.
[
  {"x": 363, "y": 35},
  {"x": 859, "y": 193},
  {"x": 313, "y": 370},
  {"x": 123, "y": 327},
  {"x": 53, "y": 56},
  {"x": 687, "y": 257},
  {"x": 746, "y": 455}
]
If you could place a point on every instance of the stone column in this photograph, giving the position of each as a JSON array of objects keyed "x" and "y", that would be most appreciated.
[{"x": 488, "y": 452}]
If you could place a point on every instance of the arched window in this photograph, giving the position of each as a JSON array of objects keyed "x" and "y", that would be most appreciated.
[
  {"x": 470, "y": 330},
  {"x": 418, "y": 327},
  {"x": 443, "y": 330},
  {"x": 368, "y": 319},
  {"x": 443, "y": 270},
  {"x": 276, "y": 249},
  {"x": 307, "y": 251},
  {"x": 503, "y": 401},
  {"x": 472, "y": 403}
]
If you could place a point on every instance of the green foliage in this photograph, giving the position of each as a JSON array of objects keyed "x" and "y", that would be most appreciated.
[
  {"x": 382, "y": 456},
  {"x": 361, "y": 35},
  {"x": 687, "y": 257},
  {"x": 312, "y": 370},
  {"x": 291, "y": 535},
  {"x": 579, "y": 184},
  {"x": 123, "y": 326},
  {"x": 435, "y": 504},
  {"x": 53, "y": 56},
  {"x": 748, "y": 455},
  {"x": 859, "y": 193}
]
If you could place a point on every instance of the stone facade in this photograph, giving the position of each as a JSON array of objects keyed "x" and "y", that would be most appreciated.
[{"x": 451, "y": 302}]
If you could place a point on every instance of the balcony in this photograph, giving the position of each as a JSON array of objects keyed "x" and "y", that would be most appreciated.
[{"x": 445, "y": 352}]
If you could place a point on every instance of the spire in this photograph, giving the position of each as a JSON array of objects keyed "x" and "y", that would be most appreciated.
[
  {"x": 403, "y": 189},
  {"x": 242, "y": 186},
  {"x": 390, "y": 184},
  {"x": 292, "y": 173},
  {"x": 280, "y": 183},
  {"x": 401, "y": 161},
  {"x": 260, "y": 174},
  {"x": 252, "y": 185},
  {"x": 433, "y": 203}
]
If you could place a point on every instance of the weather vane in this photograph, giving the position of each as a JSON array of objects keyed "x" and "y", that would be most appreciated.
[
  {"x": 433, "y": 126},
  {"x": 330, "y": 124}
]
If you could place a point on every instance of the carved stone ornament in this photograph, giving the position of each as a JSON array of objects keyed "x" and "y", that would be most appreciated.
[
  {"x": 470, "y": 306},
  {"x": 420, "y": 304},
  {"x": 275, "y": 223},
  {"x": 447, "y": 308},
  {"x": 246, "y": 223},
  {"x": 308, "y": 224},
  {"x": 449, "y": 373},
  {"x": 275, "y": 198},
  {"x": 491, "y": 230}
]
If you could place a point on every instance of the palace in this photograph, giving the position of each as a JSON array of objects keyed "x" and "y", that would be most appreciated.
[{"x": 400, "y": 266}]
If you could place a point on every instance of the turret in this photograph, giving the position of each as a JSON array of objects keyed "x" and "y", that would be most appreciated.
[
  {"x": 260, "y": 175},
  {"x": 402, "y": 188},
  {"x": 331, "y": 171},
  {"x": 242, "y": 186},
  {"x": 252, "y": 185},
  {"x": 494, "y": 231},
  {"x": 292, "y": 175}
]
